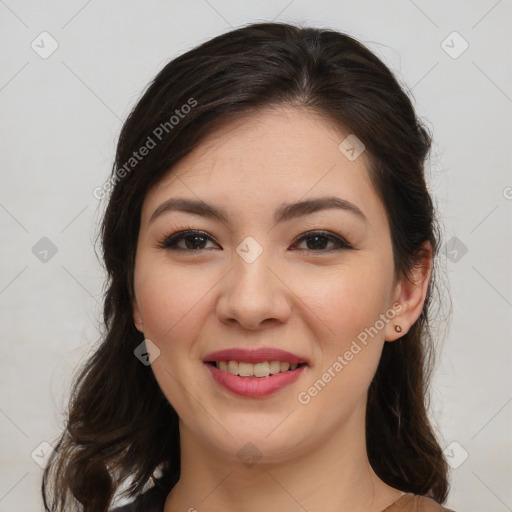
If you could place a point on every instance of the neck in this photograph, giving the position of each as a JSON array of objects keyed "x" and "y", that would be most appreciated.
[{"x": 334, "y": 476}]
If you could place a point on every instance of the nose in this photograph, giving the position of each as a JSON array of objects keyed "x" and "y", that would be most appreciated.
[{"x": 253, "y": 295}]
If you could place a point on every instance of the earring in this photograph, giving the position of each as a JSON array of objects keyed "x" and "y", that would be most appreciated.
[{"x": 398, "y": 328}]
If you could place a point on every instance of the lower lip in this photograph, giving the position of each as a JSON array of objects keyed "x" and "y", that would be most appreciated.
[{"x": 256, "y": 387}]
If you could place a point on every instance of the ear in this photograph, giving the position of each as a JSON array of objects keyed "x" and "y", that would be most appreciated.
[
  {"x": 411, "y": 295},
  {"x": 137, "y": 318}
]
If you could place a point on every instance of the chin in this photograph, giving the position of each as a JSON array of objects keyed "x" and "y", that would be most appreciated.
[{"x": 249, "y": 439}]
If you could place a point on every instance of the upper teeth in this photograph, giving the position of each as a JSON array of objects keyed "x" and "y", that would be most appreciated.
[{"x": 263, "y": 369}]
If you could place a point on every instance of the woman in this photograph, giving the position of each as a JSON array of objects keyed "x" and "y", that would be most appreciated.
[{"x": 271, "y": 247}]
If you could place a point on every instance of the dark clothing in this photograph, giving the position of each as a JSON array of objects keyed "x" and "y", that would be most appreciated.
[
  {"x": 150, "y": 501},
  {"x": 153, "y": 499}
]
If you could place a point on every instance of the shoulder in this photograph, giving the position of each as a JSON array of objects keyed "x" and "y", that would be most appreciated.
[
  {"x": 415, "y": 503},
  {"x": 152, "y": 500}
]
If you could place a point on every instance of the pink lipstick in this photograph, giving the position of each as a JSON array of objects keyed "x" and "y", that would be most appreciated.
[{"x": 254, "y": 373}]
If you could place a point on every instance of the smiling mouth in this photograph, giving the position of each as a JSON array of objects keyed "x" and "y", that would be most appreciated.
[{"x": 262, "y": 369}]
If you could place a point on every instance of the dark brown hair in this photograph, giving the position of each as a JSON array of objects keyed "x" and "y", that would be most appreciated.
[{"x": 116, "y": 408}]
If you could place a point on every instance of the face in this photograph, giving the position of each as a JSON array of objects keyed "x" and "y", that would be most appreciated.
[{"x": 261, "y": 275}]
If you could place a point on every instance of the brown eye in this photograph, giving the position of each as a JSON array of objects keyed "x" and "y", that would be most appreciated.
[
  {"x": 317, "y": 242},
  {"x": 193, "y": 241}
]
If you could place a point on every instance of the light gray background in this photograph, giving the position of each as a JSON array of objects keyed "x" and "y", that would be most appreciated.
[{"x": 61, "y": 116}]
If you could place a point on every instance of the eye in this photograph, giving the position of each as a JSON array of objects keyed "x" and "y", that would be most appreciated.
[
  {"x": 193, "y": 241},
  {"x": 316, "y": 241}
]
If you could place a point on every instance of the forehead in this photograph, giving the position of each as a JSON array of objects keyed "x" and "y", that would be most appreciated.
[{"x": 276, "y": 155}]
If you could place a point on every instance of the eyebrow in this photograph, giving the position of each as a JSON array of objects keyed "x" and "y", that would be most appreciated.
[{"x": 284, "y": 213}]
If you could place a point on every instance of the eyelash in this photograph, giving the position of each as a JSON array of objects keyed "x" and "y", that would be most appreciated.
[{"x": 170, "y": 241}]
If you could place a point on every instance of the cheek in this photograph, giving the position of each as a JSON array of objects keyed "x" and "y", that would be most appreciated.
[
  {"x": 170, "y": 300},
  {"x": 350, "y": 304},
  {"x": 349, "y": 355},
  {"x": 351, "y": 301}
]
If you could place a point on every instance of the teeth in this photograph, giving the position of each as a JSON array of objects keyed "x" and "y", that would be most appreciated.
[
  {"x": 233, "y": 367},
  {"x": 263, "y": 369},
  {"x": 245, "y": 369},
  {"x": 274, "y": 367}
]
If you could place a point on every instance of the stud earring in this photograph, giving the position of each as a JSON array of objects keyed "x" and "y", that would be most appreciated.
[{"x": 398, "y": 328}]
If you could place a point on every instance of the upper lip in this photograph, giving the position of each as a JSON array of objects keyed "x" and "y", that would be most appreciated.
[{"x": 258, "y": 355}]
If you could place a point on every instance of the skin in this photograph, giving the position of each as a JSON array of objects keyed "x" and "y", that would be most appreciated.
[{"x": 312, "y": 302}]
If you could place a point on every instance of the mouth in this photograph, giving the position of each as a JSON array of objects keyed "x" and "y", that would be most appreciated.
[
  {"x": 254, "y": 373},
  {"x": 261, "y": 370}
]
